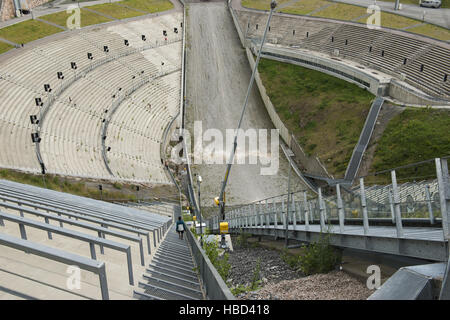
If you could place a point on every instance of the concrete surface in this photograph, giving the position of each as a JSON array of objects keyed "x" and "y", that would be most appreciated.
[{"x": 218, "y": 75}]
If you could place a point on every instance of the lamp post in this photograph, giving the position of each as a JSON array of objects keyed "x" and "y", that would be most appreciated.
[
  {"x": 221, "y": 201},
  {"x": 290, "y": 154},
  {"x": 199, "y": 181}
]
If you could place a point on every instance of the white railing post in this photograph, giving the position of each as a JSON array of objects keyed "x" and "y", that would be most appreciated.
[
  {"x": 275, "y": 224},
  {"x": 321, "y": 211},
  {"x": 444, "y": 194},
  {"x": 398, "y": 214},
  {"x": 364, "y": 207},
  {"x": 340, "y": 208},
  {"x": 429, "y": 203},
  {"x": 294, "y": 213},
  {"x": 305, "y": 205},
  {"x": 391, "y": 204}
]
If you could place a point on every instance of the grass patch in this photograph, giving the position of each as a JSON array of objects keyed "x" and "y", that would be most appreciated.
[
  {"x": 61, "y": 184},
  {"x": 149, "y": 5},
  {"x": 347, "y": 12},
  {"x": 5, "y": 47},
  {"x": 325, "y": 113},
  {"x": 116, "y": 11},
  {"x": 389, "y": 20},
  {"x": 341, "y": 11},
  {"x": 432, "y": 31},
  {"x": 412, "y": 136},
  {"x": 87, "y": 18},
  {"x": 28, "y": 31},
  {"x": 301, "y": 7}
]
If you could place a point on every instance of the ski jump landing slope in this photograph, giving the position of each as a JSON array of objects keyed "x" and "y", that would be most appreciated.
[{"x": 218, "y": 74}]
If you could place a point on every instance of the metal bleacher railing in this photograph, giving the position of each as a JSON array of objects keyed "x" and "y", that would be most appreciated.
[
  {"x": 29, "y": 247},
  {"x": 120, "y": 222}
]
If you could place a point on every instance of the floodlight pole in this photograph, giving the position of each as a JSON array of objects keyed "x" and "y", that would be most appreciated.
[{"x": 273, "y": 5}]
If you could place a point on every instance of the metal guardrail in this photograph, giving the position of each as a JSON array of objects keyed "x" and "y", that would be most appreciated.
[
  {"x": 101, "y": 230},
  {"x": 215, "y": 287},
  {"x": 92, "y": 240},
  {"x": 76, "y": 217},
  {"x": 96, "y": 267},
  {"x": 322, "y": 209}
]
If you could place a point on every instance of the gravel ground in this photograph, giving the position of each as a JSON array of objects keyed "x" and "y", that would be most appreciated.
[
  {"x": 279, "y": 282},
  {"x": 336, "y": 285},
  {"x": 273, "y": 268}
]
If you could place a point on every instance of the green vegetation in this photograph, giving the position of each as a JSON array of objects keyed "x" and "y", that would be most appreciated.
[
  {"x": 5, "y": 47},
  {"x": 394, "y": 21},
  {"x": 317, "y": 257},
  {"x": 242, "y": 239},
  {"x": 254, "y": 285},
  {"x": 325, "y": 113},
  {"x": 412, "y": 136},
  {"x": 116, "y": 11},
  {"x": 149, "y": 5},
  {"x": 28, "y": 31},
  {"x": 56, "y": 183},
  {"x": 187, "y": 217},
  {"x": 341, "y": 11},
  {"x": 220, "y": 262},
  {"x": 300, "y": 7},
  {"x": 432, "y": 31},
  {"x": 87, "y": 18}
]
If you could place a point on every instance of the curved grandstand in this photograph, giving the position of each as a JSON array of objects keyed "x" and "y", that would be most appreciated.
[
  {"x": 420, "y": 62},
  {"x": 106, "y": 118}
]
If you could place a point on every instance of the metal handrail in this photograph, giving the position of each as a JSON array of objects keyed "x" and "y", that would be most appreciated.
[
  {"x": 94, "y": 266},
  {"x": 92, "y": 240}
]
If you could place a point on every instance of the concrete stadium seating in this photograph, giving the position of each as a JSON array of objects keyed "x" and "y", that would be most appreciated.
[
  {"x": 71, "y": 131},
  {"x": 397, "y": 53},
  {"x": 30, "y": 276}
]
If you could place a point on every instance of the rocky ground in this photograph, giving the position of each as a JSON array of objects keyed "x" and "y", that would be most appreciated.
[{"x": 280, "y": 282}]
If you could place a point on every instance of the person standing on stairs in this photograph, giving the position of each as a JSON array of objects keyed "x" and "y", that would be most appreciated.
[{"x": 181, "y": 227}]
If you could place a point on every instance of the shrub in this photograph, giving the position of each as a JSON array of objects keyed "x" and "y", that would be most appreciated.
[
  {"x": 242, "y": 239},
  {"x": 319, "y": 257},
  {"x": 219, "y": 262}
]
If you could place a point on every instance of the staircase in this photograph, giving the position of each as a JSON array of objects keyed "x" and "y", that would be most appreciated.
[{"x": 171, "y": 274}]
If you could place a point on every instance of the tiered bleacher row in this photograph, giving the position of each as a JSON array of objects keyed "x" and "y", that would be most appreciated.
[
  {"x": 422, "y": 62},
  {"x": 44, "y": 234},
  {"x": 136, "y": 65}
]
